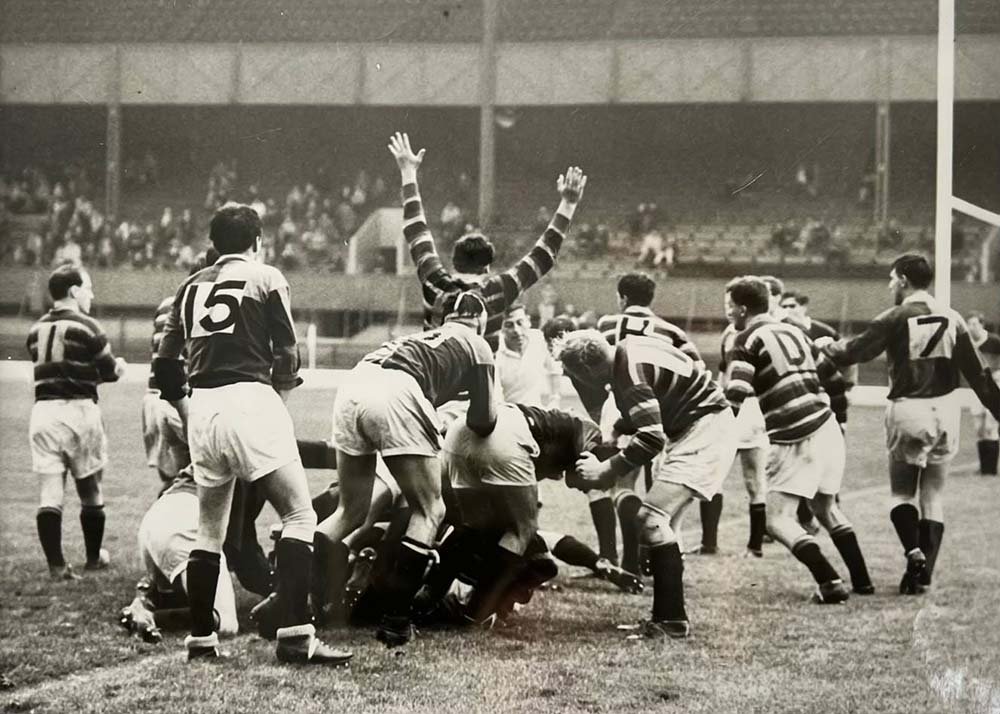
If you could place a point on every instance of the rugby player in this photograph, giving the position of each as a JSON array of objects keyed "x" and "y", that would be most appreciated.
[
  {"x": 526, "y": 371},
  {"x": 473, "y": 253},
  {"x": 387, "y": 406},
  {"x": 233, "y": 321},
  {"x": 674, "y": 410},
  {"x": 71, "y": 356},
  {"x": 987, "y": 435},
  {"x": 776, "y": 362},
  {"x": 928, "y": 347}
]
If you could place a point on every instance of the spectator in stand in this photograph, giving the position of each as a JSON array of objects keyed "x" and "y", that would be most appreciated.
[
  {"x": 186, "y": 227},
  {"x": 378, "y": 196},
  {"x": 68, "y": 253},
  {"x": 291, "y": 254},
  {"x": 585, "y": 239},
  {"x": 652, "y": 252},
  {"x": 316, "y": 245},
  {"x": 149, "y": 174},
  {"x": 359, "y": 195},
  {"x": 890, "y": 237},
  {"x": 295, "y": 205},
  {"x": 346, "y": 219},
  {"x": 104, "y": 253},
  {"x": 783, "y": 238},
  {"x": 452, "y": 223}
]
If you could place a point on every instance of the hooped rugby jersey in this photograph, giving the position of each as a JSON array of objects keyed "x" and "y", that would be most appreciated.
[
  {"x": 561, "y": 438},
  {"x": 159, "y": 325},
  {"x": 71, "y": 355},
  {"x": 444, "y": 361},
  {"x": 660, "y": 392},
  {"x": 498, "y": 290},
  {"x": 235, "y": 319},
  {"x": 638, "y": 320},
  {"x": 775, "y": 361},
  {"x": 928, "y": 347}
]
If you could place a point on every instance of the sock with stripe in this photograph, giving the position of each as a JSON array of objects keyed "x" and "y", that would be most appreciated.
[
  {"x": 809, "y": 554},
  {"x": 294, "y": 576},
  {"x": 407, "y": 577},
  {"x": 92, "y": 523},
  {"x": 49, "y": 522},
  {"x": 846, "y": 542}
]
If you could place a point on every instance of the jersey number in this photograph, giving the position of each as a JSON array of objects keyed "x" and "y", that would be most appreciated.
[
  {"x": 931, "y": 336},
  {"x": 789, "y": 352},
  {"x": 210, "y": 308},
  {"x": 632, "y": 326},
  {"x": 51, "y": 342}
]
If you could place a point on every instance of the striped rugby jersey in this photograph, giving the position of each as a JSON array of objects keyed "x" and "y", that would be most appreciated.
[
  {"x": 444, "y": 362},
  {"x": 640, "y": 320},
  {"x": 775, "y": 361},
  {"x": 234, "y": 320},
  {"x": 499, "y": 290},
  {"x": 71, "y": 355},
  {"x": 928, "y": 347},
  {"x": 561, "y": 438},
  {"x": 159, "y": 324},
  {"x": 661, "y": 392}
]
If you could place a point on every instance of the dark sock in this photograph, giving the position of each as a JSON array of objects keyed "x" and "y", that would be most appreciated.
[
  {"x": 711, "y": 512},
  {"x": 330, "y": 573},
  {"x": 989, "y": 456},
  {"x": 804, "y": 512},
  {"x": 668, "y": 582},
  {"x": 202, "y": 580},
  {"x": 628, "y": 521},
  {"x": 603, "y": 513},
  {"x": 758, "y": 526},
  {"x": 294, "y": 575},
  {"x": 407, "y": 577},
  {"x": 316, "y": 454},
  {"x": 49, "y": 521},
  {"x": 505, "y": 569},
  {"x": 325, "y": 503},
  {"x": 931, "y": 534},
  {"x": 906, "y": 518},
  {"x": 809, "y": 554},
  {"x": 982, "y": 448},
  {"x": 92, "y": 523},
  {"x": 572, "y": 552},
  {"x": 846, "y": 542}
]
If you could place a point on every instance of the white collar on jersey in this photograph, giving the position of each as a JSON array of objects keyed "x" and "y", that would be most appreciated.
[
  {"x": 640, "y": 309},
  {"x": 231, "y": 256},
  {"x": 762, "y": 317},
  {"x": 920, "y": 296}
]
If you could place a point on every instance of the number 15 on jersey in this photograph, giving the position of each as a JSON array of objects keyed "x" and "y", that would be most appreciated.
[{"x": 211, "y": 308}]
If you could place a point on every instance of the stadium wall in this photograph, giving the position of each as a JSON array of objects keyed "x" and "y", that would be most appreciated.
[{"x": 23, "y": 289}]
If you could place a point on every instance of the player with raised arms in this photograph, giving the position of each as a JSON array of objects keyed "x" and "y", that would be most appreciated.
[{"x": 929, "y": 348}]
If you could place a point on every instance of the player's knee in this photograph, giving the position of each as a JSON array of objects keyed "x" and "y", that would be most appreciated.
[
  {"x": 299, "y": 523},
  {"x": 654, "y": 526}
]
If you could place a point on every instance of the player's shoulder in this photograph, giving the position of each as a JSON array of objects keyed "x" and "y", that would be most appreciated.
[
  {"x": 992, "y": 344},
  {"x": 78, "y": 319},
  {"x": 165, "y": 304},
  {"x": 818, "y": 328},
  {"x": 259, "y": 279},
  {"x": 607, "y": 322}
]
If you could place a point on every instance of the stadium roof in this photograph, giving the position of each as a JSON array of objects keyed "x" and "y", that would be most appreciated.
[{"x": 130, "y": 21}]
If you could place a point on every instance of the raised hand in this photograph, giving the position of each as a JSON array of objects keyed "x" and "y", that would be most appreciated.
[
  {"x": 406, "y": 160},
  {"x": 571, "y": 184}
]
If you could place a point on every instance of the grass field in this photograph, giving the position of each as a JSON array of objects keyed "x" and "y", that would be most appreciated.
[{"x": 758, "y": 645}]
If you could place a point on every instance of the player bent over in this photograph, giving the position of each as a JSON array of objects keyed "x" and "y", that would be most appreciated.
[
  {"x": 928, "y": 347},
  {"x": 234, "y": 320},
  {"x": 670, "y": 404},
  {"x": 71, "y": 356},
  {"x": 387, "y": 406},
  {"x": 777, "y": 363}
]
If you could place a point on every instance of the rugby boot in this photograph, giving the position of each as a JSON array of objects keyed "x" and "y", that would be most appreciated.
[
  {"x": 395, "y": 630},
  {"x": 660, "y": 629},
  {"x": 63, "y": 572},
  {"x": 103, "y": 561},
  {"x": 753, "y": 553},
  {"x": 361, "y": 576},
  {"x": 299, "y": 645},
  {"x": 621, "y": 578},
  {"x": 916, "y": 565},
  {"x": 139, "y": 621},
  {"x": 831, "y": 593},
  {"x": 703, "y": 550},
  {"x": 203, "y": 648}
]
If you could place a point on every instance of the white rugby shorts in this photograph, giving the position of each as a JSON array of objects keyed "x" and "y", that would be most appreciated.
[
  {"x": 815, "y": 464},
  {"x": 167, "y": 534},
  {"x": 384, "y": 411},
  {"x": 504, "y": 458},
  {"x": 701, "y": 457},
  {"x": 67, "y": 435},
  {"x": 751, "y": 431},
  {"x": 923, "y": 431},
  {"x": 240, "y": 430},
  {"x": 163, "y": 435}
]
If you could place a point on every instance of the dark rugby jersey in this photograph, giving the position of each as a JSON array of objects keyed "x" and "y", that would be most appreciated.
[
  {"x": 444, "y": 361},
  {"x": 660, "y": 392},
  {"x": 638, "y": 320},
  {"x": 989, "y": 348},
  {"x": 777, "y": 363},
  {"x": 159, "y": 324},
  {"x": 817, "y": 329},
  {"x": 561, "y": 438},
  {"x": 234, "y": 319},
  {"x": 499, "y": 290},
  {"x": 71, "y": 355},
  {"x": 927, "y": 345}
]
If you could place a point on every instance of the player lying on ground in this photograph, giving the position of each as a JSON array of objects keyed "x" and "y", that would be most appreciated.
[
  {"x": 775, "y": 362},
  {"x": 233, "y": 321},
  {"x": 928, "y": 347},
  {"x": 387, "y": 406},
  {"x": 71, "y": 356},
  {"x": 676, "y": 413}
]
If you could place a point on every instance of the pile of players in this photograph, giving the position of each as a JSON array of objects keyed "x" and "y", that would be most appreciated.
[{"x": 439, "y": 439}]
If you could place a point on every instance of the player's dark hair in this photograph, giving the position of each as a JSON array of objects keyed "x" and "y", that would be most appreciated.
[
  {"x": 514, "y": 306},
  {"x": 234, "y": 228},
  {"x": 976, "y": 315},
  {"x": 557, "y": 327},
  {"x": 751, "y": 293},
  {"x": 802, "y": 299},
  {"x": 789, "y": 294},
  {"x": 637, "y": 289},
  {"x": 915, "y": 269},
  {"x": 466, "y": 304},
  {"x": 774, "y": 285},
  {"x": 473, "y": 253},
  {"x": 63, "y": 278}
]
